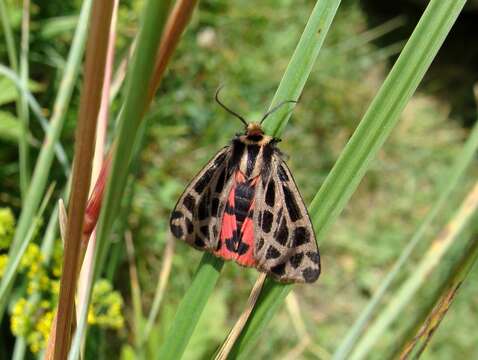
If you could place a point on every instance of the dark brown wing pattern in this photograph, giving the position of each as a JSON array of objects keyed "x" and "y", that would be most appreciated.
[
  {"x": 285, "y": 245},
  {"x": 196, "y": 218}
]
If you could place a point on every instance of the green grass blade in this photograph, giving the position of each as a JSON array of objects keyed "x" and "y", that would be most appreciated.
[
  {"x": 290, "y": 87},
  {"x": 45, "y": 158},
  {"x": 141, "y": 67},
  {"x": 372, "y": 132},
  {"x": 452, "y": 176},
  {"x": 301, "y": 63},
  {"x": 22, "y": 110},
  {"x": 25, "y": 171},
  {"x": 190, "y": 308},
  {"x": 420, "y": 276}
]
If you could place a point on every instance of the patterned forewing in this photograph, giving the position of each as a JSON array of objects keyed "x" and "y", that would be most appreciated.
[
  {"x": 285, "y": 245},
  {"x": 197, "y": 216}
]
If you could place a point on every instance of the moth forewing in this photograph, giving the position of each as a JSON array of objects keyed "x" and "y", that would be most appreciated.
[
  {"x": 197, "y": 214},
  {"x": 286, "y": 246}
]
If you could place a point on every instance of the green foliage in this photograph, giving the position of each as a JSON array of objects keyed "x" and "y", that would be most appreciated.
[{"x": 7, "y": 227}]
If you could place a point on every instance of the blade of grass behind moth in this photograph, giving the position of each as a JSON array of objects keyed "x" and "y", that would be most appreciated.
[
  {"x": 225, "y": 349},
  {"x": 290, "y": 87},
  {"x": 45, "y": 158},
  {"x": 23, "y": 111},
  {"x": 452, "y": 178},
  {"x": 166, "y": 265},
  {"x": 420, "y": 276},
  {"x": 154, "y": 16},
  {"x": 85, "y": 134},
  {"x": 373, "y": 130},
  {"x": 301, "y": 63},
  {"x": 415, "y": 346}
]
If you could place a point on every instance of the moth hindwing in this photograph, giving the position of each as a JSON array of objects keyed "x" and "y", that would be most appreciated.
[{"x": 245, "y": 206}]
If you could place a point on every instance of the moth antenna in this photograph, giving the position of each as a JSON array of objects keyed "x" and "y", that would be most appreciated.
[
  {"x": 276, "y": 108},
  {"x": 226, "y": 108}
]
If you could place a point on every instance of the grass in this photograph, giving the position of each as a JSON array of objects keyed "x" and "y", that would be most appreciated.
[{"x": 249, "y": 50}]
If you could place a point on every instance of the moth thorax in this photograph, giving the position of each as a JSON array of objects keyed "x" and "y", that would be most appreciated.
[{"x": 254, "y": 132}]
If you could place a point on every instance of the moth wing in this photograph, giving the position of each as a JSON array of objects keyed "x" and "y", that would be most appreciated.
[
  {"x": 285, "y": 244},
  {"x": 196, "y": 218}
]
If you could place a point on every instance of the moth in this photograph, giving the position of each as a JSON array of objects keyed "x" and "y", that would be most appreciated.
[{"x": 245, "y": 206}]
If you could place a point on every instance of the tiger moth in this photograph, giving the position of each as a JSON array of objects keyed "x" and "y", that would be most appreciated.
[{"x": 245, "y": 206}]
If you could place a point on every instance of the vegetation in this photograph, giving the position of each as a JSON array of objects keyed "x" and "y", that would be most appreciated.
[{"x": 247, "y": 49}]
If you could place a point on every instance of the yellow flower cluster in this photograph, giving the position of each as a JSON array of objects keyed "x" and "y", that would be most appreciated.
[
  {"x": 7, "y": 227},
  {"x": 3, "y": 263},
  {"x": 105, "y": 308}
]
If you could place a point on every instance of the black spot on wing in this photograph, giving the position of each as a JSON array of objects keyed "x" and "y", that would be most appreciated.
[
  {"x": 296, "y": 259},
  {"x": 272, "y": 253},
  {"x": 220, "y": 159},
  {"x": 252, "y": 152},
  {"x": 203, "y": 208},
  {"x": 278, "y": 269},
  {"x": 282, "y": 173},
  {"x": 189, "y": 202},
  {"x": 301, "y": 236},
  {"x": 270, "y": 194},
  {"x": 189, "y": 226},
  {"x": 291, "y": 204},
  {"x": 238, "y": 148},
  {"x": 282, "y": 233},
  {"x": 199, "y": 242},
  {"x": 176, "y": 215},
  {"x": 176, "y": 230},
  {"x": 214, "y": 206},
  {"x": 260, "y": 244},
  {"x": 220, "y": 181},
  {"x": 244, "y": 191},
  {"x": 310, "y": 274},
  {"x": 205, "y": 230},
  {"x": 314, "y": 256},
  {"x": 229, "y": 209},
  {"x": 267, "y": 152},
  {"x": 242, "y": 248},
  {"x": 204, "y": 180},
  {"x": 267, "y": 218}
]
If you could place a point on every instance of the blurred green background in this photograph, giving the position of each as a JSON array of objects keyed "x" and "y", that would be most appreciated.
[{"x": 247, "y": 48}]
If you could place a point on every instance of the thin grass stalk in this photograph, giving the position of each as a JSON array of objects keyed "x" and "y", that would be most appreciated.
[
  {"x": 167, "y": 263},
  {"x": 290, "y": 87},
  {"x": 90, "y": 101},
  {"x": 421, "y": 273},
  {"x": 373, "y": 130},
  {"x": 141, "y": 67},
  {"x": 25, "y": 171},
  {"x": 414, "y": 347},
  {"x": 45, "y": 158},
  {"x": 452, "y": 179},
  {"x": 135, "y": 290}
]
